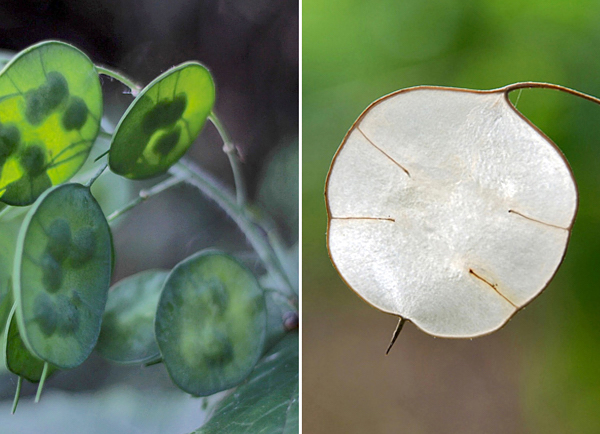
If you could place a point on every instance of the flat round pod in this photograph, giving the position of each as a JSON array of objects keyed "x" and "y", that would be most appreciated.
[
  {"x": 448, "y": 208},
  {"x": 210, "y": 323},
  {"x": 50, "y": 111},
  {"x": 61, "y": 297},
  {"x": 127, "y": 334},
  {"x": 162, "y": 122}
]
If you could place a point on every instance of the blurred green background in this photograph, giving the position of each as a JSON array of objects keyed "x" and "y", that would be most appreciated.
[{"x": 540, "y": 373}]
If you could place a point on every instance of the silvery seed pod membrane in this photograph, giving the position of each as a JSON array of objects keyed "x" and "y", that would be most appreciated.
[{"x": 448, "y": 208}]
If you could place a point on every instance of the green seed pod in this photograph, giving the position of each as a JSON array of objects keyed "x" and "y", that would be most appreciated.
[
  {"x": 162, "y": 122},
  {"x": 210, "y": 323},
  {"x": 127, "y": 334},
  {"x": 47, "y": 82},
  {"x": 61, "y": 326}
]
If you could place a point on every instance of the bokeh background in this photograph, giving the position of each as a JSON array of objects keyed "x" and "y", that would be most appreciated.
[
  {"x": 540, "y": 373},
  {"x": 252, "y": 50}
]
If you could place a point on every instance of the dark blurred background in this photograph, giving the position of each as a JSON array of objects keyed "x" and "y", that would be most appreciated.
[
  {"x": 251, "y": 48},
  {"x": 539, "y": 374}
]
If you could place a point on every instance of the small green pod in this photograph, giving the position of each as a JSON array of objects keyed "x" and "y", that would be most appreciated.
[
  {"x": 162, "y": 122},
  {"x": 210, "y": 323},
  {"x": 127, "y": 334},
  {"x": 59, "y": 303},
  {"x": 50, "y": 111}
]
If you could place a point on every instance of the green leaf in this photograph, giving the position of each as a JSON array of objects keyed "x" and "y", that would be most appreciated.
[
  {"x": 162, "y": 122},
  {"x": 50, "y": 111},
  {"x": 62, "y": 274},
  {"x": 18, "y": 358},
  {"x": 268, "y": 401},
  {"x": 210, "y": 323},
  {"x": 127, "y": 334}
]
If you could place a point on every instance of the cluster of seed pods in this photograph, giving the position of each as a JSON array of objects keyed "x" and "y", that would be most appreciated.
[{"x": 206, "y": 319}]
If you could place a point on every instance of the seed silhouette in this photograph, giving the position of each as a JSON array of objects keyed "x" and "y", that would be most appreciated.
[
  {"x": 75, "y": 115},
  {"x": 59, "y": 239}
]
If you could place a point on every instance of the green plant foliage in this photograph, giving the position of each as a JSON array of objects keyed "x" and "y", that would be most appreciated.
[
  {"x": 127, "y": 334},
  {"x": 210, "y": 323},
  {"x": 50, "y": 111},
  {"x": 61, "y": 295},
  {"x": 162, "y": 122},
  {"x": 18, "y": 358},
  {"x": 268, "y": 401}
]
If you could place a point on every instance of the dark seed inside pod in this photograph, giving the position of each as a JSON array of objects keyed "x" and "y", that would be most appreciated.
[
  {"x": 167, "y": 142},
  {"x": 68, "y": 321},
  {"x": 45, "y": 314},
  {"x": 33, "y": 160},
  {"x": 76, "y": 114},
  {"x": 83, "y": 246},
  {"x": 55, "y": 90},
  {"x": 59, "y": 239},
  {"x": 41, "y": 102},
  {"x": 52, "y": 273},
  {"x": 10, "y": 136},
  {"x": 164, "y": 114}
]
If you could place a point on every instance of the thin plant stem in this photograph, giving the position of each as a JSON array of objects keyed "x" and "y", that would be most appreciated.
[
  {"x": 17, "y": 395},
  {"x": 234, "y": 161},
  {"x": 135, "y": 88},
  {"x": 145, "y": 194},
  {"x": 535, "y": 84},
  {"x": 96, "y": 175},
  {"x": 211, "y": 188},
  {"x": 42, "y": 381}
]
